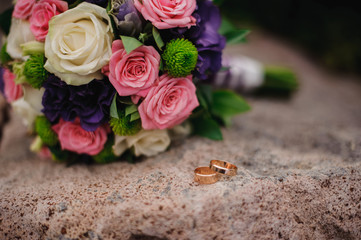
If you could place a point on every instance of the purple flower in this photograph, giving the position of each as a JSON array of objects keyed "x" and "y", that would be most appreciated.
[
  {"x": 124, "y": 9},
  {"x": 127, "y": 19},
  {"x": 89, "y": 102},
  {"x": 205, "y": 37},
  {"x": 102, "y": 3}
]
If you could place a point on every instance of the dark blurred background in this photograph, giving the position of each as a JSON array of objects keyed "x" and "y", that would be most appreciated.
[{"x": 330, "y": 32}]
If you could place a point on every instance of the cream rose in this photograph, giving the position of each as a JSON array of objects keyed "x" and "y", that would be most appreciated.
[
  {"x": 19, "y": 34},
  {"x": 78, "y": 44},
  {"x": 147, "y": 143}
]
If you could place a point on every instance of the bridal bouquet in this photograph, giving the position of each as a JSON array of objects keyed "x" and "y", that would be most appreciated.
[{"x": 100, "y": 79}]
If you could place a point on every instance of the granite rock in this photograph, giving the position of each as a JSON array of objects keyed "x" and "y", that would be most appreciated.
[{"x": 299, "y": 174}]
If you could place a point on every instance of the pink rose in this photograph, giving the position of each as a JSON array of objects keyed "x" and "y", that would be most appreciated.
[
  {"x": 166, "y": 14},
  {"x": 12, "y": 90},
  {"x": 23, "y": 9},
  {"x": 74, "y": 138},
  {"x": 43, "y": 11},
  {"x": 133, "y": 73},
  {"x": 105, "y": 70},
  {"x": 169, "y": 103}
]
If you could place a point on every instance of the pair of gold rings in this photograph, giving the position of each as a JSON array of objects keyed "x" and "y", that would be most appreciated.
[{"x": 212, "y": 174}]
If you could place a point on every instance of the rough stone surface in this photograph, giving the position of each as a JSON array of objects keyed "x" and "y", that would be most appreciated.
[{"x": 299, "y": 174}]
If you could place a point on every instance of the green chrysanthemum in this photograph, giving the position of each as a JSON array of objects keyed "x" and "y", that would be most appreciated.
[
  {"x": 34, "y": 71},
  {"x": 43, "y": 129},
  {"x": 180, "y": 57},
  {"x": 106, "y": 155},
  {"x": 123, "y": 126}
]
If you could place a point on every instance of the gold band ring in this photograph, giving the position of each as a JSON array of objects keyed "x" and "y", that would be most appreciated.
[
  {"x": 205, "y": 175},
  {"x": 223, "y": 167}
]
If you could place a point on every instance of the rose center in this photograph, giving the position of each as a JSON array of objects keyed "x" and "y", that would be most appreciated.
[
  {"x": 76, "y": 36},
  {"x": 172, "y": 99},
  {"x": 136, "y": 68}
]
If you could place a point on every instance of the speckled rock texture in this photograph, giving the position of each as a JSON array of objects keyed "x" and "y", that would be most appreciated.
[{"x": 299, "y": 174}]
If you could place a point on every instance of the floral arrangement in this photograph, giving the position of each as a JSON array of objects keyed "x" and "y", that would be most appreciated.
[{"x": 101, "y": 80}]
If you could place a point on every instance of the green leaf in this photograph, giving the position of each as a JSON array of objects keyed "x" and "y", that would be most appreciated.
[
  {"x": 143, "y": 37},
  {"x": 204, "y": 95},
  {"x": 113, "y": 108},
  {"x": 4, "y": 56},
  {"x": 237, "y": 36},
  {"x": 202, "y": 101},
  {"x": 130, "y": 43},
  {"x": 227, "y": 103},
  {"x": 148, "y": 28},
  {"x": 76, "y": 3},
  {"x": 232, "y": 33},
  {"x": 205, "y": 126},
  {"x": 114, "y": 27},
  {"x": 58, "y": 154},
  {"x": 227, "y": 121},
  {"x": 131, "y": 109},
  {"x": 135, "y": 116},
  {"x": 158, "y": 38},
  {"x": 226, "y": 26},
  {"x": 125, "y": 100},
  {"x": 106, "y": 155},
  {"x": 161, "y": 65},
  {"x": 109, "y": 6},
  {"x": 129, "y": 156}
]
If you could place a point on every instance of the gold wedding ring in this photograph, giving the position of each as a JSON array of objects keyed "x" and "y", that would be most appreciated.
[
  {"x": 223, "y": 167},
  {"x": 205, "y": 175}
]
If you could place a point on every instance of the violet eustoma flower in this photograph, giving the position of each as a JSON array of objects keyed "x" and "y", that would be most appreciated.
[
  {"x": 205, "y": 37},
  {"x": 127, "y": 18},
  {"x": 90, "y": 102}
]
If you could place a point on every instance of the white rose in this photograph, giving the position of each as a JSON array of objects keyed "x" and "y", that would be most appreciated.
[
  {"x": 147, "y": 143},
  {"x": 19, "y": 34},
  {"x": 34, "y": 97},
  {"x": 30, "y": 105},
  {"x": 78, "y": 44},
  {"x": 120, "y": 145}
]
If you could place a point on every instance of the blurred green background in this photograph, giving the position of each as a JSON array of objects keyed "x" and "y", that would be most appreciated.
[{"x": 329, "y": 31}]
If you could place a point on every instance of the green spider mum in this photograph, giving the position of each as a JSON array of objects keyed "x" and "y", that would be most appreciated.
[
  {"x": 34, "y": 71},
  {"x": 43, "y": 129},
  {"x": 180, "y": 57},
  {"x": 123, "y": 126}
]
